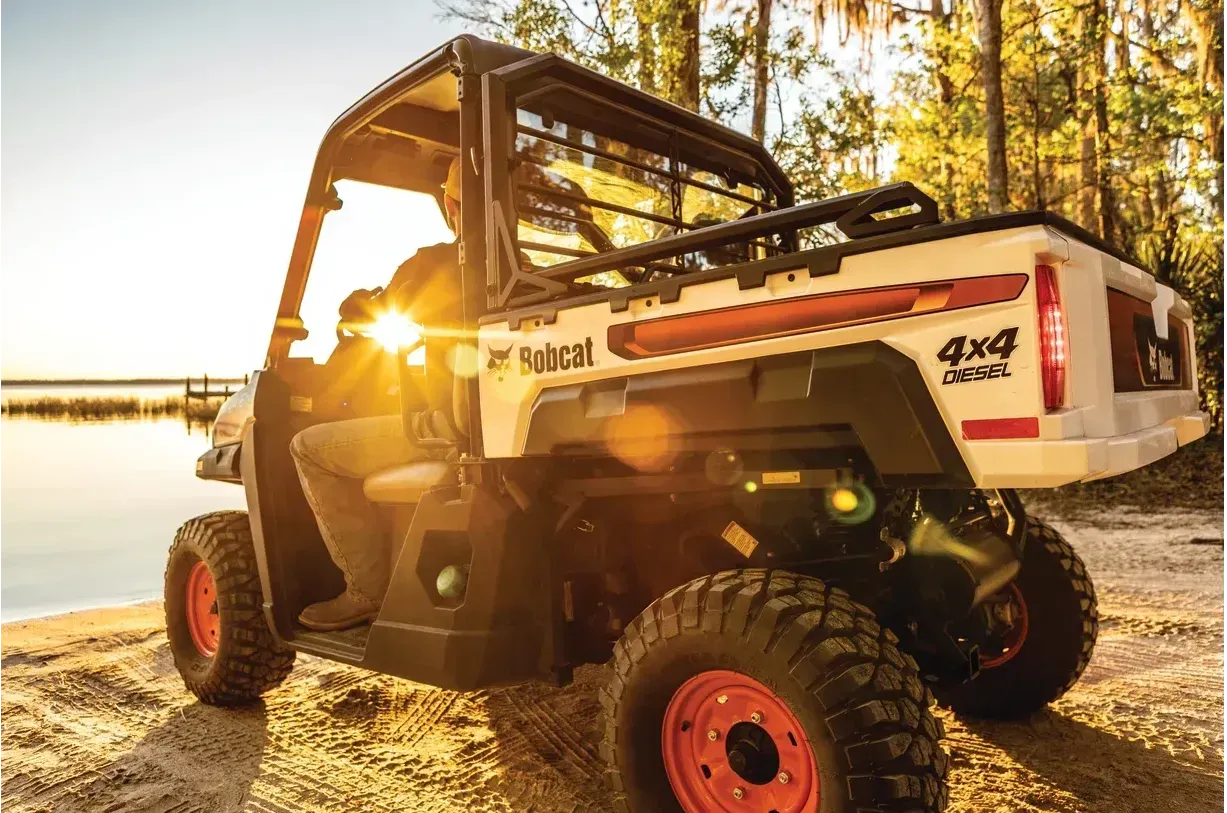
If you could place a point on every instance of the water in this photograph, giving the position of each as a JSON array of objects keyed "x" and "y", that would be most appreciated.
[
  {"x": 147, "y": 392},
  {"x": 90, "y": 509}
]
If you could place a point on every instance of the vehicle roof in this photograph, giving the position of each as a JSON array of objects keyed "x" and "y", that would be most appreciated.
[{"x": 468, "y": 54}]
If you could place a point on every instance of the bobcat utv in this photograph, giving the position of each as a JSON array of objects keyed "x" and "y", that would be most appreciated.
[{"x": 756, "y": 456}]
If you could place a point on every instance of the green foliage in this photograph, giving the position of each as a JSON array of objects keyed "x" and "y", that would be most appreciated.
[
  {"x": 1113, "y": 111},
  {"x": 1192, "y": 263}
]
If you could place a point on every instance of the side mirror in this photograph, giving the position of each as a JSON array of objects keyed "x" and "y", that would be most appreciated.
[{"x": 330, "y": 201}]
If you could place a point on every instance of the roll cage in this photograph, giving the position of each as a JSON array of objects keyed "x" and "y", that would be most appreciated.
[{"x": 583, "y": 185}]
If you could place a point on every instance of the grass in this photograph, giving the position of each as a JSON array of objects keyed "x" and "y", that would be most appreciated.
[
  {"x": 1192, "y": 477},
  {"x": 112, "y": 408}
]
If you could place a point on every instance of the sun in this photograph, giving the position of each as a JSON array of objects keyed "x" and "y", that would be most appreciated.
[{"x": 394, "y": 330}]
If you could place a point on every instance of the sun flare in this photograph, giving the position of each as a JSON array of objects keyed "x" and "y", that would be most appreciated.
[{"x": 394, "y": 330}]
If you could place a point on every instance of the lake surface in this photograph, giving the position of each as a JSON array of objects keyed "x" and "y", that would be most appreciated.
[
  {"x": 147, "y": 392},
  {"x": 90, "y": 509}
]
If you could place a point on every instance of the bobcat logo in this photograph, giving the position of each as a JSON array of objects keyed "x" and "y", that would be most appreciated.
[
  {"x": 1162, "y": 365},
  {"x": 500, "y": 361}
]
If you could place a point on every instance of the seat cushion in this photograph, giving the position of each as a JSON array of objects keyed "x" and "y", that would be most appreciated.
[{"x": 406, "y": 483}]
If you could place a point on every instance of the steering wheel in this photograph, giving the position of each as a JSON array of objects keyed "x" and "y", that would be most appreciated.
[{"x": 356, "y": 310}]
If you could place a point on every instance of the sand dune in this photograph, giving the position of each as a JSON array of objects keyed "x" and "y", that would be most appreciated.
[{"x": 95, "y": 718}]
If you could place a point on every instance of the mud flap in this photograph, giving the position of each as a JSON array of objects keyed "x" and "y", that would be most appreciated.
[{"x": 494, "y": 634}]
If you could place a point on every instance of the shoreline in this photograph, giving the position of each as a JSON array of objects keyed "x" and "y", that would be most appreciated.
[
  {"x": 103, "y": 407},
  {"x": 105, "y": 382},
  {"x": 57, "y": 614}
]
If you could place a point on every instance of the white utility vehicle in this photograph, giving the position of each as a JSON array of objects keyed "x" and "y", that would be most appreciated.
[{"x": 756, "y": 456}]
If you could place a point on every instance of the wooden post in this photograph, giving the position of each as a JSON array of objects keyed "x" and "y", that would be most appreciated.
[{"x": 206, "y": 385}]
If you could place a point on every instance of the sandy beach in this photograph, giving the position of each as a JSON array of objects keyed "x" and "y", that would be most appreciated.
[{"x": 96, "y": 719}]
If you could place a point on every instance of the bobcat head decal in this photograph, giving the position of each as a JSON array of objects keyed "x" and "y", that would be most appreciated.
[{"x": 500, "y": 361}]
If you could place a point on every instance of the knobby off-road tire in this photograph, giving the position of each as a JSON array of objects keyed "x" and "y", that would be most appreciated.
[
  {"x": 245, "y": 662},
  {"x": 1062, "y": 625},
  {"x": 857, "y": 698}
]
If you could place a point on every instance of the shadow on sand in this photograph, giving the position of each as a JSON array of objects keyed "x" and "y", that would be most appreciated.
[
  {"x": 201, "y": 760},
  {"x": 1106, "y": 771}
]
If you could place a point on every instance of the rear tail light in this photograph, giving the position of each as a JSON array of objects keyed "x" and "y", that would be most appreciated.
[{"x": 1052, "y": 336}]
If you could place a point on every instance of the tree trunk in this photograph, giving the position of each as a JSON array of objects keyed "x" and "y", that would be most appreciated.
[
  {"x": 686, "y": 87},
  {"x": 762, "y": 60},
  {"x": 1086, "y": 167},
  {"x": 937, "y": 13},
  {"x": 989, "y": 22},
  {"x": 646, "y": 49},
  {"x": 1148, "y": 207},
  {"x": 1163, "y": 198},
  {"x": 1208, "y": 31},
  {"x": 1103, "y": 150}
]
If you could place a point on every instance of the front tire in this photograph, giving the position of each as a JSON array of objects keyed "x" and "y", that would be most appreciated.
[
  {"x": 843, "y": 713},
  {"x": 220, "y": 642},
  {"x": 1059, "y": 622}
]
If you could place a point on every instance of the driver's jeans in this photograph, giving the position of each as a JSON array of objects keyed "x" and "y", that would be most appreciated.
[{"x": 332, "y": 461}]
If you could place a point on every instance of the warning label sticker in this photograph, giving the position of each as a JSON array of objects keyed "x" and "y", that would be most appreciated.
[
  {"x": 781, "y": 478},
  {"x": 740, "y": 539}
]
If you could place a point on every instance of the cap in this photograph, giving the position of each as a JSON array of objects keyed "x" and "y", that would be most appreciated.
[{"x": 452, "y": 187}]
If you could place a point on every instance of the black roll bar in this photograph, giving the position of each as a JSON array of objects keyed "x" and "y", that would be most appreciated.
[{"x": 852, "y": 214}]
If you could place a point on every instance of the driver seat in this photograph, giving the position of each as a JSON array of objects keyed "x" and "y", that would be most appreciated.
[{"x": 405, "y": 484}]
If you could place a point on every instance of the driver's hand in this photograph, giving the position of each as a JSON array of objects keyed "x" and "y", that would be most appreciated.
[{"x": 360, "y": 306}]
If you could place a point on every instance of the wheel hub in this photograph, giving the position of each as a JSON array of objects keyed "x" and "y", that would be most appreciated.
[
  {"x": 203, "y": 621},
  {"x": 1008, "y": 615},
  {"x": 731, "y": 744}
]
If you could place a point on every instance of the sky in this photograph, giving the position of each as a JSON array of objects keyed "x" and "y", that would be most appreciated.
[{"x": 153, "y": 162}]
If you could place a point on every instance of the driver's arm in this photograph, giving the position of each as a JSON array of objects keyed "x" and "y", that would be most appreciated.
[
  {"x": 408, "y": 276},
  {"x": 427, "y": 284}
]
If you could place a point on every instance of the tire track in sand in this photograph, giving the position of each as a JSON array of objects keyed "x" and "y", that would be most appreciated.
[{"x": 95, "y": 719}]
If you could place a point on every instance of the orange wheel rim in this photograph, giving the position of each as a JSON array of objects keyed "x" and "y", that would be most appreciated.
[
  {"x": 731, "y": 744},
  {"x": 1012, "y": 641},
  {"x": 203, "y": 622}
]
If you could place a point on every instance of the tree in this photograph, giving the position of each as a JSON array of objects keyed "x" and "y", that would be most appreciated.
[
  {"x": 678, "y": 42},
  {"x": 762, "y": 69},
  {"x": 1109, "y": 112},
  {"x": 988, "y": 20}
]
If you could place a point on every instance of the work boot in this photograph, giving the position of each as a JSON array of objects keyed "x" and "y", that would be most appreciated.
[{"x": 346, "y": 610}]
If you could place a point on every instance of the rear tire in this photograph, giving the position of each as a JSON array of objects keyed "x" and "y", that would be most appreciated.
[
  {"x": 814, "y": 656},
  {"x": 223, "y": 650},
  {"x": 1062, "y": 623}
]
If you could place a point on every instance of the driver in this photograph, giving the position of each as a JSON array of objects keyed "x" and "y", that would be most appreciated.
[{"x": 334, "y": 458}]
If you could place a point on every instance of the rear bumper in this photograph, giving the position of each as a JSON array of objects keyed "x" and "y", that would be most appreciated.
[{"x": 1051, "y": 463}]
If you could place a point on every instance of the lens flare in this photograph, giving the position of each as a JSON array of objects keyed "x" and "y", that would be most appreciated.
[
  {"x": 462, "y": 359},
  {"x": 724, "y": 467},
  {"x": 844, "y": 500},
  {"x": 642, "y": 438},
  {"x": 851, "y": 504},
  {"x": 394, "y": 330}
]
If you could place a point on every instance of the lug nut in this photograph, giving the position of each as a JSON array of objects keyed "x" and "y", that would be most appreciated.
[
  {"x": 738, "y": 793},
  {"x": 784, "y": 777},
  {"x": 722, "y": 699},
  {"x": 756, "y": 717},
  {"x": 713, "y": 735}
]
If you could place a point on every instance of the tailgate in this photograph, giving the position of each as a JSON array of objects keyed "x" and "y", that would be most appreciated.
[{"x": 1145, "y": 357}]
